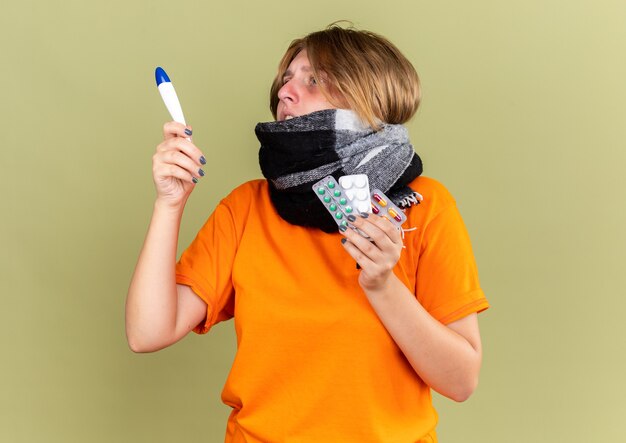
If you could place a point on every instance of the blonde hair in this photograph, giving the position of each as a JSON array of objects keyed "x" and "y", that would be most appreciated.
[{"x": 360, "y": 70}]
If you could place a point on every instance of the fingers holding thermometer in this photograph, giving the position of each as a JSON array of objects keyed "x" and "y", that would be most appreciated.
[
  {"x": 174, "y": 130},
  {"x": 177, "y": 164}
]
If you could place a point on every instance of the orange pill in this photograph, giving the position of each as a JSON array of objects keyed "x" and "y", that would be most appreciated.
[
  {"x": 381, "y": 201},
  {"x": 394, "y": 214}
]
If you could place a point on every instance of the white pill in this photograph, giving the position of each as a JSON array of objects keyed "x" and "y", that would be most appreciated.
[
  {"x": 345, "y": 182},
  {"x": 360, "y": 181},
  {"x": 364, "y": 207}
]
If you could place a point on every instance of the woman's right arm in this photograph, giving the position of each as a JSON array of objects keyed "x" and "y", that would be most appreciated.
[{"x": 158, "y": 311}]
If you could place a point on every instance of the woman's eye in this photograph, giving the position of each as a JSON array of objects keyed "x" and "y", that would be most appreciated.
[{"x": 312, "y": 81}]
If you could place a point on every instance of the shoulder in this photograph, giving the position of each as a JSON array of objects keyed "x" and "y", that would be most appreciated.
[
  {"x": 246, "y": 199},
  {"x": 246, "y": 193},
  {"x": 436, "y": 197}
]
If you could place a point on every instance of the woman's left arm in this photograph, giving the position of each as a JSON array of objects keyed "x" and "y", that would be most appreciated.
[{"x": 446, "y": 357}]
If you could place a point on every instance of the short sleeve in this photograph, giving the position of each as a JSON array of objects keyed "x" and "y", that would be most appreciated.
[
  {"x": 447, "y": 282},
  {"x": 206, "y": 266}
]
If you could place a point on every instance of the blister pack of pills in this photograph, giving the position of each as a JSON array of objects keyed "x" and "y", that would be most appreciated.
[
  {"x": 357, "y": 189},
  {"x": 384, "y": 207},
  {"x": 335, "y": 196},
  {"x": 351, "y": 195}
]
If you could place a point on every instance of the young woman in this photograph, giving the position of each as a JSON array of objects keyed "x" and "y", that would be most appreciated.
[{"x": 326, "y": 350}]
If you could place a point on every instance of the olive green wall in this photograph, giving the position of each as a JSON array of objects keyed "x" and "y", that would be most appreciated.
[{"x": 523, "y": 119}]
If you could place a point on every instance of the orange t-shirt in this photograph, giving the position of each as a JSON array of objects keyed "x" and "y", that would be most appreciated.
[{"x": 314, "y": 363}]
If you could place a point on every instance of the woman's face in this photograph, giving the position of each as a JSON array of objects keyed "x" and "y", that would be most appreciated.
[{"x": 300, "y": 94}]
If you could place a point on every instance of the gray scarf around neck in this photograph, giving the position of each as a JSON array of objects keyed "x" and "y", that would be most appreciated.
[{"x": 298, "y": 152}]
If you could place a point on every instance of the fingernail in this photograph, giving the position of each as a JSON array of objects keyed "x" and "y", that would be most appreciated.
[
  {"x": 351, "y": 218},
  {"x": 188, "y": 131},
  {"x": 203, "y": 160},
  {"x": 343, "y": 228},
  {"x": 195, "y": 180},
  {"x": 364, "y": 214},
  {"x": 201, "y": 172},
  {"x": 344, "y": 240}
]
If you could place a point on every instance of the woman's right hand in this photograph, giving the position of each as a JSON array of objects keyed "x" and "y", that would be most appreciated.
[
  {"x": 176, "y": 165},
  {"x": 158, "y": 312}
]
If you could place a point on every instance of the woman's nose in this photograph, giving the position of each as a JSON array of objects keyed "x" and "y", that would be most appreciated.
[{"x": 288, "y": 92}]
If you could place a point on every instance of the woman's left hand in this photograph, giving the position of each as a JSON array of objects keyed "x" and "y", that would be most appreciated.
[{"x": 377, "y": 255}]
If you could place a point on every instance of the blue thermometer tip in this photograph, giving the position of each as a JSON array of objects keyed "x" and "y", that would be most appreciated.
[{"x": 161, "y": 76}]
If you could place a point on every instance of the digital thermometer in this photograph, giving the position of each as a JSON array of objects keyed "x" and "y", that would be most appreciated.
[{"x": 168, "y": 94}]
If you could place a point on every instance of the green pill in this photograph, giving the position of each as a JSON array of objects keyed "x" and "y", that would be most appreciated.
[
  {"x": 333, "y": 207},
  {"x": 344, "y": 223},
  {"x": 348, "y": 209},
  {"x": 343, "y": 201},
  {"x": 327, "y": 199},
  {"x": 331, "y": 185},
  {"x": 338, "y": 215},
  {"x": 321, "y": 191},
  {"x": 337, "y": 193}
]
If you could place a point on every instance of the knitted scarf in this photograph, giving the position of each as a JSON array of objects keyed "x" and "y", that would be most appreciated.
[{"x": 298, "y": 152}]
